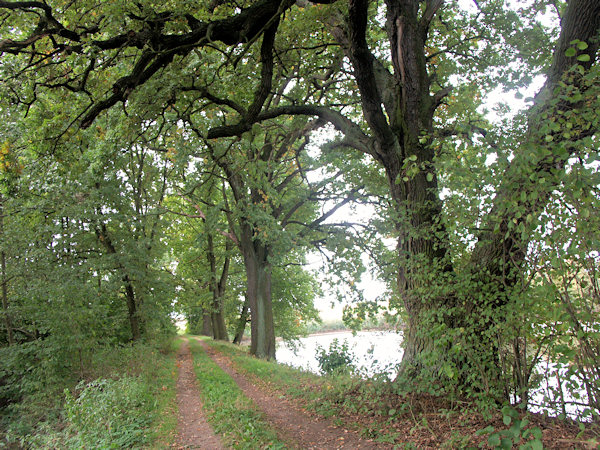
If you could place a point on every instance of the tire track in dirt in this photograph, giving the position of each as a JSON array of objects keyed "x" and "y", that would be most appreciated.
[
  {"x": 291, "y": 423},
  {"x": 193, "y": 431}
]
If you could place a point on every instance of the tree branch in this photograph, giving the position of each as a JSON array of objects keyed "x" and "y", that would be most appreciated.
[{"x": 355, "y": 136}]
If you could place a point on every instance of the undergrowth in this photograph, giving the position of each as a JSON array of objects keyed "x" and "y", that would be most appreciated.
[{"x": 125, "y": 399}]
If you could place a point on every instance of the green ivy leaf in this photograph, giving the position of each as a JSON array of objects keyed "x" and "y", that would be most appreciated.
[
  {"x": 570, "y": 52},
  {"x": 583, "y": 58}
]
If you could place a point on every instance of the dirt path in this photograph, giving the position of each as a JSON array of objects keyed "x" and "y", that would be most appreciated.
[
  {"x": 193, "y": 431},
  {"x": 292, "y": 424}
]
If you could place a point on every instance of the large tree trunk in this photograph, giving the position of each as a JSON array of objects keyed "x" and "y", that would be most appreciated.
[
  {"x": 206, "y": 324},
  {"x": 258, "y": 272},
  {"x": 258, "y": 275},
  {"x": 498, "y": 259},
  {"x": 401, "y": 145},
  {"x": 421, "y": 258},
  {"x": 218, "y": 322}
]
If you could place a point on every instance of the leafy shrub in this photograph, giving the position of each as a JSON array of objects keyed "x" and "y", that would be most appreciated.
[
  {"x": 110, "y": 413},
  {"x": 520, "y": 433},
  {"x": 337, "y": 359}
]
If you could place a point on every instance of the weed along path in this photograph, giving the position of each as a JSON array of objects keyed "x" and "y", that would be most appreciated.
[
  {"x": 293, "y": 426},
  {"x": 193, "y": 431}
]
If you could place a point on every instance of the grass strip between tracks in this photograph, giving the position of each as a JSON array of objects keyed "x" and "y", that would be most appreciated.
[{"x": 229, "y": 411}]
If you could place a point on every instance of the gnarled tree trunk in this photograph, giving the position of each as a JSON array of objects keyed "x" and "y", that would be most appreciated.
[{"x": 401, "y": 144}]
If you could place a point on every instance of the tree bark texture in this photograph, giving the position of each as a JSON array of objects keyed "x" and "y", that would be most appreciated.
[
  {"x": 258, "y": 275},
  {"x": 401, "y": 145}
]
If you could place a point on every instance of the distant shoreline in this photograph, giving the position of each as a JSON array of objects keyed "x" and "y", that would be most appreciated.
[
  {"x": 246, "y": 339},
  {"x": 346, "y": 331}
]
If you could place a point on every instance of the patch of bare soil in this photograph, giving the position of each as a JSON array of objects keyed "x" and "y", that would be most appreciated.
[
  {"x": 293, "y": 425},
  {"x": 193, "y": 431}
]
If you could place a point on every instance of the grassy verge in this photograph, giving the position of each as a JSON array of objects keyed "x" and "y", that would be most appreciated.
[
  {"x": 126, "y": 399},
  {"x": 228, "y": 410}
]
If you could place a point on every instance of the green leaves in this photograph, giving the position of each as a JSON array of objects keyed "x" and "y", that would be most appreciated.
[
  {"x": 577, "y": 47},
  {"x": 520, "y": 433}
]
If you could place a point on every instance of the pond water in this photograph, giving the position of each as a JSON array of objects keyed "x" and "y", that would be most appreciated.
[{"x": 373, "y": 351}]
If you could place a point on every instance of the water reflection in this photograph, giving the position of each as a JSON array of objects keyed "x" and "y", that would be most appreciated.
[{"x": 374, "y": 351}]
